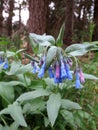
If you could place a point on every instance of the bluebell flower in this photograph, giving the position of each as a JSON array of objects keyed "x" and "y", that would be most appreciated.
[
  {"x": 81, "y": 76},
  {"x": 6, "y": 65},
  {"x": 57, "y": 70},
  {"x": 5, "y": 62},
  {"x": 69, "y": 74},
  {"x": 57, "y": 80},
  {"x": 63, "y": 70},
  {"x": 77, "y": 84},
  {"x": 50, "y": 72},
  {"x": 35, "y": 66},
  {"x": 42, "y": 70}
]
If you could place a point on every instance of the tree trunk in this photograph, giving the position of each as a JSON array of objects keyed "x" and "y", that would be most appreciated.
[
  {"x": 95, "y": 35},
  {"x": 9, "y": 20},
  {"x": 1, "y": 17},
  {"x": 37, "y": 17},
  {"x": 69, "y": 19}
]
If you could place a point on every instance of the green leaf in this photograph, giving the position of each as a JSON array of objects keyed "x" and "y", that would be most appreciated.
[
  {"x": 46, "y": 121},
  {"x": 51, "y": 55},
  {"x": 4, "y": 40},
  {"x": 59, "y": 41},
  {"x": 89, "y": 76},
  {"x": 14, "y": 67},
  {"x": 30, "y": 57},
  {"x": 38, "y": 42},
  {"x": 23, "y": 69},
  {"x": 53, "y": 106},
  {"x": 34, "y": 106},
  {"x": 77, "y": 47},
  {"x": 6, "y": 127},
  {"x": 67, "y": 104},
  {"x": 50, "y": 82},
  {"x": 36, "y": 84},
  {"x": 24, "y": 79},
  {"x": 20, "y": 50},
  {"x": 10, "y": 54},
  {"x": 78, "y": 52},
  {"x": 16, "y": 113},
  {"x": 14, "y": 126},
  {"x": 84, "y": 114},
  {"x": 1, "y": 127},
  {"x": 18, "y": 68},
  {"x": 33, "y": 94},
  {"x": 68, "y": 116},
  {"x": 95, "y": 112},
  {"x": 40, "y": 39},
  {"x": 7, "y": 90}
]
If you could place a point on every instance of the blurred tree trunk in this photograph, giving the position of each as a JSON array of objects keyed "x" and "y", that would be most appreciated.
[
  {"x": 1, "y": 17},
  {"x": 37, "y": 17},
  {"x": 95, "y": 35},
  {"x": 9, "y": 19},
  {"x": 69, "y": 20}
]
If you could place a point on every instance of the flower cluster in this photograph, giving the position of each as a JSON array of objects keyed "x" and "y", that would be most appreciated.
[
  {"x": 4, "y": 62},
  {"x": 59, "y": 70}
]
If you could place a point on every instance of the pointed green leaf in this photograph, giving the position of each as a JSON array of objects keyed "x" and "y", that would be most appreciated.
[
  {"x": 14, "y": 126},
  {"x": 18, "y": 68},
  {"x": 33, "y": 94},
  {"x": 16, "y": 113},
  {"x": 30, "y": 57},
  {"x": 68, "y": 116},
  {"x": 1, "y": 127},
  {"x": 7, "y": 90},
  {"x": 59, "y": 41},
  {"x": 78, "y": 52},
  {"x": 67, "y": 104},
  {"x": 78, "y": 47},
  {"x": 53, "y": 106},
  {"x": 38, "y": 42},
  {"x": 6, "y": 127},
  {"x": 40, "y": 39},
  {"x": 89, "y": 76},
  {"x": 35, "y": 106}
]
